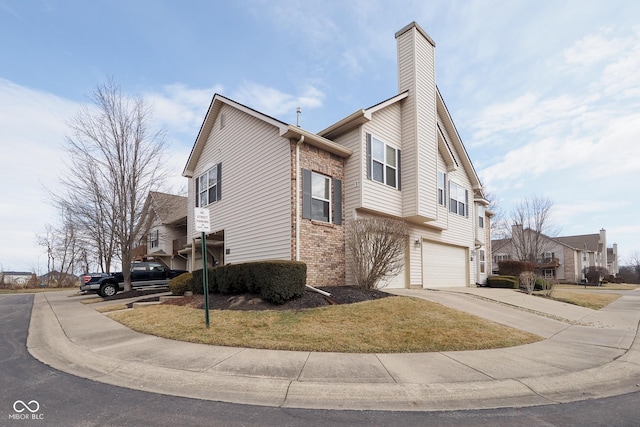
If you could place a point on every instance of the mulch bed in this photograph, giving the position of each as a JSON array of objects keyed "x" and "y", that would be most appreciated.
[{"x": 310, "y": 299}]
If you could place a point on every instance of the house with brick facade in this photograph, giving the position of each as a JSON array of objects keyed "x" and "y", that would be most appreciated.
[
  {"x": 564, "y": 258},
  {"x": 277, "y": 191}
]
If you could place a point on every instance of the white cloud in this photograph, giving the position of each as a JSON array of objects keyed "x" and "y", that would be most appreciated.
[
  {"x": 181, "y": 108},
  {"x": 273, "y": 102},
  {"x": 33, "y": 129}
]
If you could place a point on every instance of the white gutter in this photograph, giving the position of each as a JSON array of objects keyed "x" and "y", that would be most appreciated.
[{"x": 300, "y": 141}]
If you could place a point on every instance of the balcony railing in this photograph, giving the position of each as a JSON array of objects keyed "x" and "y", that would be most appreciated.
[{"x": 547, "y": 263}]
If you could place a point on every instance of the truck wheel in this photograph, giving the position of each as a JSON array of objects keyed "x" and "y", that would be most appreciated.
[{"x": 108, "y": 290}]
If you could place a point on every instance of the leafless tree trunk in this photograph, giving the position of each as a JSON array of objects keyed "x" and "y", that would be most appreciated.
[
  {"x": 499, "y": 225},
  {"x": 115, "y": 162},
  {"x": 532, "y": 228},
  {"x": 376, "y": 247}
]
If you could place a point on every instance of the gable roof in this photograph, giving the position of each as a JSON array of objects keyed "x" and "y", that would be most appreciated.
[
  {"x": 169, "y": 208},
  {"x": 285, "y": 130},
  {"x": 584, "y": 241},
  {"x": 359, "y": 117},
  {"x": 445, "y": 144},
  {"x": 590, "y": 242}
]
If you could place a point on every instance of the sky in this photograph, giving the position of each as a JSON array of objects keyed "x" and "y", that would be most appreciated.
[{"x": 545, "y": 94}]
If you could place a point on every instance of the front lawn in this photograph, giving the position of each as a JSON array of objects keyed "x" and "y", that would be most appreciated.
[{"x": 388, "y": 325}]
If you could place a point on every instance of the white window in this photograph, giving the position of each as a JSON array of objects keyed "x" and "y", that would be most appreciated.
[
  {"x": 208, "y": 186},
  {"x": 480, "y": 216},
  {"x": 442, "y": 194},
  {"x": 502, "y": 257},
  {"x": 482, "y": 260},
  {"x": 383, "y": 162},
  {"x": 154, "y": 239},
  {"x": 320, "y": 197},
  {"x": 458, "y": 197}
]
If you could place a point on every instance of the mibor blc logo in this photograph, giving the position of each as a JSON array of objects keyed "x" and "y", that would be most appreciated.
[{"x": 26, "y": 411}]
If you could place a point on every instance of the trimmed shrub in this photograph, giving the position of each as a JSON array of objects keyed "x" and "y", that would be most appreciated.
[
  {"x": 273, "y": 281},
  {"x": 198, "y": 286},
  {"x": 510, "y": 282},
  {"x": 277, "y": 281},
  {"x": 180, "y": 284},
  {"x": 514, "y": 268}
]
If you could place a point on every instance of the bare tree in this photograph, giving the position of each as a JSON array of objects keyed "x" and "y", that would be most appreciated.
[
  {"x": 376, "y": 247},
  {"x": 531, "y": 228},
  {"x": 499, "y": 225},
  {"x": 115, "y": 162}
]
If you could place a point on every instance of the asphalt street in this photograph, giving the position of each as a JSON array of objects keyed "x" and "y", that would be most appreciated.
[{"x": 32, "y": 393}]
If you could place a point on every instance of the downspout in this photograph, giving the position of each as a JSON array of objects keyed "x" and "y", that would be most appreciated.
[{"x": 300, "y": 141}]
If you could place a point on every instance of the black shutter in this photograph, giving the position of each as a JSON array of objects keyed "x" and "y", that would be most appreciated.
[
  {"x": 197, "y": 191},
  {"x": 337, "y": 201},
  {"x": 306, "y": 194},
  {"x": 399, "y": 171},
  {"x": 219, "y": 182},
  {"x": 368, "y": 156}
]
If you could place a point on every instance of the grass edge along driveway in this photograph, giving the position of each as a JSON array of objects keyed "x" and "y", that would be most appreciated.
[{"x": 389, "y": 325}]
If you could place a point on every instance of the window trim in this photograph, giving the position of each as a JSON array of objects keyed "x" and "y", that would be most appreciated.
[
  {"x": 154, "y": 239},
  {"x": 442, "y": 190},
  {"x": 455, "y": 207},
  {"x": 480, "y": 216},
  {"x": 397, "y": 169},
  {"x": 327, "y": 186},
  {"x": 335, "y": 193},
  {"x": 217, "y": 187}
]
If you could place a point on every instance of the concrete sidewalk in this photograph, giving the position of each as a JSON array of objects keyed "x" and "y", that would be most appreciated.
[{"x": 586, "y": 354}]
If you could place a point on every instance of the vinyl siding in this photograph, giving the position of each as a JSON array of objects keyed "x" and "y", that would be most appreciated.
[
  {"x": 417, "y": 75},
  {"x": 407, "y": 81},
  {"x": 255, "y": 210},
  {"x": 376, "y": 196},
  {"x": 354, "y": 172}
]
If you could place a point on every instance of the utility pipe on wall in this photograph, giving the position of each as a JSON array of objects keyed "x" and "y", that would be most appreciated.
[{"x": 300, "y": 141}]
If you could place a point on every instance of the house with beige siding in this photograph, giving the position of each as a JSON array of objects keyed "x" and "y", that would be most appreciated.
[
  {"x": 164, "y": 231},
  {"x": 277, "y": 191},
  {"x": 564, "y": 258}
]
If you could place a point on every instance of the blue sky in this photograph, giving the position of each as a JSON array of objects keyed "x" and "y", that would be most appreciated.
[{"x": 545, "y": 94}]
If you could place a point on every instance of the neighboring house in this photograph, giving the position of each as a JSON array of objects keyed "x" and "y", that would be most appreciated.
[
  {"x": 165, "y": 235},
  {"x": 17, "y": 278},
  {"x": 565, "y": 258},
  {"x": 277, "y": 191}
]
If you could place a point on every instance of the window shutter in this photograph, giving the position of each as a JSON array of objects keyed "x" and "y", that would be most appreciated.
[
  {"x": 219, "y": 182},
  {"x": 399, "y": 172},
  {"x": 337, "y": 201},
  {"x": 368, "y": 156},
  {"x": 306, "y": 194},
  {"x": 197, "y": 192},
  {"x": 466, "y": 203},
  {"x": 444, "y": 189}
]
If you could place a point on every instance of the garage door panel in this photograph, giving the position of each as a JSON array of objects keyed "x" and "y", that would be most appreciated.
[{"x": 444, "y": 265}]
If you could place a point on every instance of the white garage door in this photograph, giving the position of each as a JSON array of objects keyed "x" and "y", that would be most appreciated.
[{"x": 444, "y": 266}]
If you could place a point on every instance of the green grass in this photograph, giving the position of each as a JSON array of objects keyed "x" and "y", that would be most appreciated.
[{"x": 388, "y": 325}]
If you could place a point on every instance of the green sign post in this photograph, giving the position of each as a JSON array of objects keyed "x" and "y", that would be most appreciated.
[{"x": 203, "y": 224}]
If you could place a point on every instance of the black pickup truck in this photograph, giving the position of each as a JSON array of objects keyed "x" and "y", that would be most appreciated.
[{"x": 143, "y": 274}]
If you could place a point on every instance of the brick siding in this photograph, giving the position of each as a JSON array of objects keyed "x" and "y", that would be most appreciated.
[{"x": 322, "y": 245}]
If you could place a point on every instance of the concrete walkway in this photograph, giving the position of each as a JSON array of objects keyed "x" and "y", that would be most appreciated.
[{"x": 585, "y": 354}]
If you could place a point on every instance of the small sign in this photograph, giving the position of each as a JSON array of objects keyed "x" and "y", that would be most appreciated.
[{"x": 203, "y": 222}]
